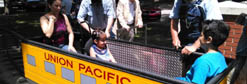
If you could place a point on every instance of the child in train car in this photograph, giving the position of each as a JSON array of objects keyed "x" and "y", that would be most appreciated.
[
  {"x": 99, "y": 48},
  {"x": 213, "y": 34}
]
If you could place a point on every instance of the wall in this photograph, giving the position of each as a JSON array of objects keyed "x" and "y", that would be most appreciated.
[
  {"x": 230, "y": 11},
  {"x": 230, "y": 45}
]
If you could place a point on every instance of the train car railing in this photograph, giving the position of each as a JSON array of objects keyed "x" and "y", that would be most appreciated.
[
  {"x": 137, "y": 64},
  {"x": 158, "y": 60},
  {"x": 162, "y": 61},
  {"x": 48, "y": 64}
]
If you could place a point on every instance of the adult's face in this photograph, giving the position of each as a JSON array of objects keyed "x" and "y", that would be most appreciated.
[{"x": 56, "y": 6}]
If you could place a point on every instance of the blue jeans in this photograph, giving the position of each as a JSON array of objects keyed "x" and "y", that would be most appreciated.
[
  {"x": 64, "y": 47},
  {"x": 112, "y": 35}
]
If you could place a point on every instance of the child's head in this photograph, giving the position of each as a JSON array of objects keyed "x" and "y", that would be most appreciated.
[
  {"x": 214, "y": 33},
  {"x": 99, "y": 38}
]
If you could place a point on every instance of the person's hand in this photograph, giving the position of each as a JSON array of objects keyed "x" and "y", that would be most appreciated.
[
  {"x": 139, "y": 26},
  {"x": 188, "y": 50},
  {"x": 113, "y": 61},
  {"x": 107, "y": 34},
  {"x": 127, "y": 28},
  {"x": 71, "y": 48},
  {"x": 176, "y": 43},
  {"x": 52, "y": 18}
]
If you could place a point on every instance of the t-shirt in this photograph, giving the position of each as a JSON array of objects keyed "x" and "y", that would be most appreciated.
[{"x": 205, "y": 67}]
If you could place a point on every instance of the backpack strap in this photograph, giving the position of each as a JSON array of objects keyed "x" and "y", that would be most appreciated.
[{"x": 198, "y": 2}]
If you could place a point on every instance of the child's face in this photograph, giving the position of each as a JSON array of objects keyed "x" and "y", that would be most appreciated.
[
  {"x": 202, "y": 39},
  {"x": 205, "y": 41},
  {"x": 101, "y": 43}
]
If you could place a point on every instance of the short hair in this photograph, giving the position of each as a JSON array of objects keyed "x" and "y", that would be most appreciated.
[{"x": 218, "y": 30}]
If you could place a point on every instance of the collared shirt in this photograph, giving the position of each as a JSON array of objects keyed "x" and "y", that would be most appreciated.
[
  {"x": 132, "y": 13},
  {"x": 210, "y": 7},
  {"x": 96, "y": 15}
]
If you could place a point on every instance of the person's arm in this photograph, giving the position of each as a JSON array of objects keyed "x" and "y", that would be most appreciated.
[
  {"x": 139, "y": 15},
  {"x": 174, "y": 33},
  {"x": 120, "y": 16},
  {"x": 86, "y": 26},
  {"x": 111, "y": 57},
  {"x": 82, "y": 14},
  {"x": 110, "y": 15},
  {"x": 71, "y": 34},
  {"x": 47, "y": 26},
  {"x": 92, "y": 53},
  {"x": 189, "y": 49},
  {"x": 109, "y": 26}
]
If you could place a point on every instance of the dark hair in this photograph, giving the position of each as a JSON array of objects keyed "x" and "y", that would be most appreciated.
[
  {"x": 218, "y": 30},
  {"x": 50, "y": 2},
  {"x": 96, "y": 34}
]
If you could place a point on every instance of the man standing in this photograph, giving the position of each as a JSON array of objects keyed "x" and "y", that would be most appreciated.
[
  {"x": 189, "y": 39},
  {"x": 129, "y": 16},
  {"x": 189, "y": 33},
  {"x": 98, "y": 13},
  {"x": 241, "y": 54}
]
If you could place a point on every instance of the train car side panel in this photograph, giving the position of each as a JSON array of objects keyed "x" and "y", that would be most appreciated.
[{"x": 48, "y": 67}]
